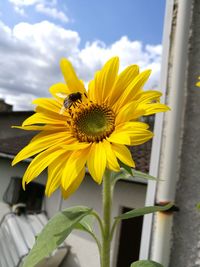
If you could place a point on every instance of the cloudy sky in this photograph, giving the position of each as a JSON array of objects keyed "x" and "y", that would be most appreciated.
[{"x": 35, "y": 34}]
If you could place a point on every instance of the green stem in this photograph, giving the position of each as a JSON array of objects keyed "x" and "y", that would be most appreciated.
[{"x": 107, "y": 202}]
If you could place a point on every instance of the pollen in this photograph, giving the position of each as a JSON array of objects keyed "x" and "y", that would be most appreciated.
[{"x": 92, "y": 122}]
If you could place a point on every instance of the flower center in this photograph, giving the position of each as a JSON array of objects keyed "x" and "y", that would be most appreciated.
[{"x": 92, "y": 122}]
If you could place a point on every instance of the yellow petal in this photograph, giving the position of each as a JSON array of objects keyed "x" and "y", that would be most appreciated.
[
  {"x": 105, "y": 79},
  {"x": 75, "y": 146},
  {"x": 73, "y": 167},
  {"x": 119, "y": 137},
  {"x": 72, "y": 81},
  {"x": 29, "y": 128},
  {"x": 128, "y": 112},
  {"x": 92, "y": 93},
  {"x": 122, "y": 81},
  {"x": 41, "y": 142},
  {"x": 123, "y": 154},
  {"x": 140, "y": 137},
  {"x": 154, "y": 108},
  {"x": 41, "y": 118},
  {"x": 96, "y": 161},
  {"x": 55, "y": 170},
  {"x": 131, "y": 125},
  {"x": 112, "y": 162},
  {"x": 74, "y": 186},
  {"x": 48, "y": 104},
  {"x": 55, "y": 135},
  {"x": 40, "y": 162},
  {"x": 148, "y": 96},
  {"x": 59, "y": 88},
  {"x": 51, "y": 114},
  {"x": 135, "y": 136},
  {"x": 41, "y": 128},
  {"x": 133, "y": 88}
]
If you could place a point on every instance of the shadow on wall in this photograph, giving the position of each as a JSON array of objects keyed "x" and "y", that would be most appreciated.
[{"x": 71, "y": 260}]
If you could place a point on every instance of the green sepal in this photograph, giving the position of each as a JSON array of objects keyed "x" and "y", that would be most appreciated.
[
  {"x": 54, "y": 233},
  {"x": 146, "y": 263},
  {"x": 143, "y": 211},
  {"x": 198, "y": 206}
]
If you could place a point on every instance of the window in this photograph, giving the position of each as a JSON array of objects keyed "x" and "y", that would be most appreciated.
[{"x": 129, "y": 240}]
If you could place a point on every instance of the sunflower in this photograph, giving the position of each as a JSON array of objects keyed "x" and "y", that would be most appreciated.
[{"x": 92, "y": 128}]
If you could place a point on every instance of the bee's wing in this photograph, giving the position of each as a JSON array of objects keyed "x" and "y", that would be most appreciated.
[
  {"x": 62, "y": 95},
  {"x": 62, "y": 110}
]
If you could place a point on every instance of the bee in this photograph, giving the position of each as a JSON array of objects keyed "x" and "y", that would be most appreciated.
[{"x": 70, "y": 100}]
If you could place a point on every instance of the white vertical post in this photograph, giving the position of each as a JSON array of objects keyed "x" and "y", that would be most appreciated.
[{"x": 156, "y": 145}]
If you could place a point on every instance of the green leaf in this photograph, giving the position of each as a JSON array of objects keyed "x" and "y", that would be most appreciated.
[
  {"x": 54, "y": 233},
  {"x": 143, "y": 211},
  {"x": 145, "y": 263},
  {"x": 129, "y": 173},
  {"x": 86, "y": 224},
  {"x": 144, "y": 175}
]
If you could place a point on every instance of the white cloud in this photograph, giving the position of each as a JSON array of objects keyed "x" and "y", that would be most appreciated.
[
  {"x": 30, "y": 55},
  {"x": 52, "y": 12},
  {"x": 46, "y": 7},
  {"x": 19, "y": 10},
  {"x": 129, "y": 51},
  {"x": 25, "y": 2},
  {"x": 19, "y": 101}
]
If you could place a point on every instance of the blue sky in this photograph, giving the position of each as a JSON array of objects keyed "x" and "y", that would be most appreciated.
[
  {"x": 109, "y": 20},
  {"x": 104, "y": 20},
  {"x": 35, "y": 34}
]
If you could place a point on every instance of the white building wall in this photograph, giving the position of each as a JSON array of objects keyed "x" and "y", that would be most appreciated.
[{"x": 83, "y": 249}]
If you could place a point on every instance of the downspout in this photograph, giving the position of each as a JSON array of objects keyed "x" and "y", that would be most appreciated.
[
  {"x": 145, "y": 247},
  {"x": 170, "y": 151}
]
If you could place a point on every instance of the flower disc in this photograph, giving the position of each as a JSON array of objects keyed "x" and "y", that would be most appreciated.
[{"x": 92, "y": 122}]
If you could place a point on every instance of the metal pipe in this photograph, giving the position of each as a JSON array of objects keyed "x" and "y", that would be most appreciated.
[
  {"x": 157, "y": 140},
  {"x": 172, "y": 132}
]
